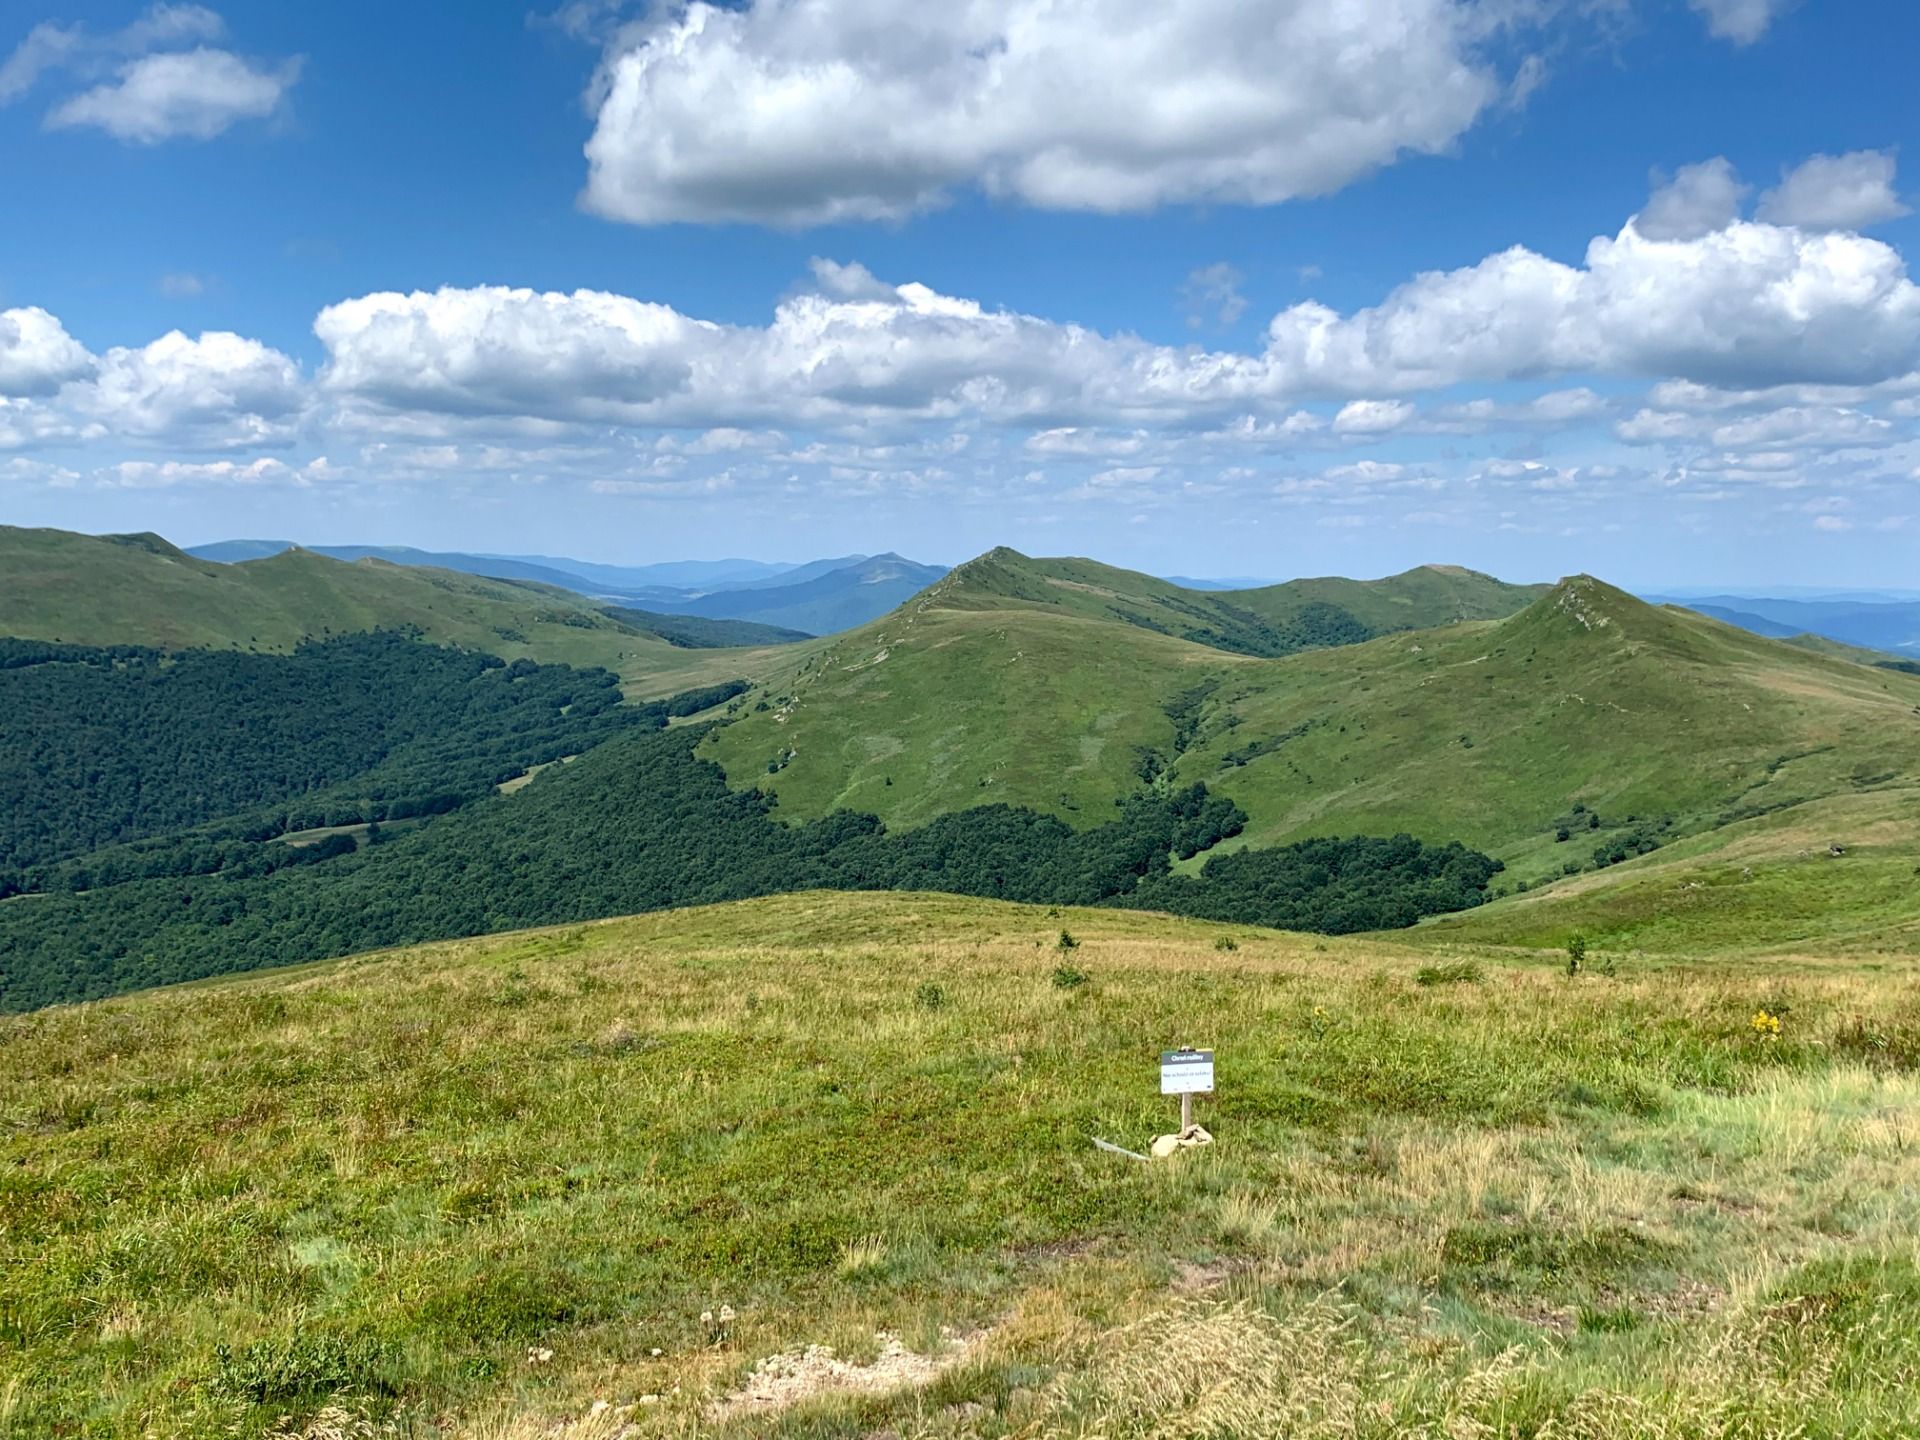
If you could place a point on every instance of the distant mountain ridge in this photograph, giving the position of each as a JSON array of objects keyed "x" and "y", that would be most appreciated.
[
  {"x": 1890, "y": 625},
  {"x": 817, "y": 597}
]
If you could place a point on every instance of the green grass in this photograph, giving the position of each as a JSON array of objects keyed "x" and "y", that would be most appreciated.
[
  {"x": 938, "y": 710},
  {"x": 1770, "y": 884},
  {"x": 1465, "y": 1193}
]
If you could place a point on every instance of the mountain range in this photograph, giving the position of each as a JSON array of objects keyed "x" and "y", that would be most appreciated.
[
  {"x": 1023, "y": 727},
  {"x": 1879, "y": 623},
  {"x": 815, "y": 597}
]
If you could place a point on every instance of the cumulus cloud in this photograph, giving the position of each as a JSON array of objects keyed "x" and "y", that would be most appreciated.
[
  {"x": 1372, "y": 417},
  {"x": 1836, "y": 192},
  {"x": 37, "y": 355},
  {"x": 195, "y": 94},
  {"x": 1786, "y": 428},
  {"x": 1698, "y": 200},
  {"x": 830, "y": 110},
  {"x": 1750, "y": 305},
  {"x": 219, "y": 391},
  {"x": 1741, "y": 21}
]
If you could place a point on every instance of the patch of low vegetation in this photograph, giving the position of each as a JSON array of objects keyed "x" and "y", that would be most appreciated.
[{"x": 1446, "y": 1195}]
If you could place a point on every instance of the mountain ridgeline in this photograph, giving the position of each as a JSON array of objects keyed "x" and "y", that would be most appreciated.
[
  {"x": 785, "y": 602},
  {"x": 297, "y": 757}
]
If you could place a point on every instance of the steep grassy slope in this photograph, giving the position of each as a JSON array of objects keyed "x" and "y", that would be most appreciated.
[
  {"x": 1492, "y": 733},
  {"x": 1008, "y": 681},
  {"x": 936, "y": 709},
  {"x": 477, "y": 1189},
  {"x": 139, "y": 590}
]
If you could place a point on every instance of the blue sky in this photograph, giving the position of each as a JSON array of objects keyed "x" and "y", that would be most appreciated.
[{"x": 1268, "y": 287}]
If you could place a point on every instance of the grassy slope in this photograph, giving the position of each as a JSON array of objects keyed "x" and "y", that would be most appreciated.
[
  {"x": 1771, "y": 883},
  {"x": 140, "y": 590},
  {"x": 1484, "y": 1206},
  {"x": 1037, "y": 682},
  {"x": 1007, "y": 682},
  {"x": 1427, "y": 596},
  {"x": 967, "y": 707},
  {"x": 1417, "y": 599},
  {"x": 1487, "y": 733}
]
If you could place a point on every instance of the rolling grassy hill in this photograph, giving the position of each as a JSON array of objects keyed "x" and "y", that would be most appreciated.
[
  {"x": 140, "y": 590},
  {"x": 1029, "y": 682},
  {"x": 1838, "y": 876},
  {"x": 1271, "y": 621},
  {"x": 616, "y": 1180}
]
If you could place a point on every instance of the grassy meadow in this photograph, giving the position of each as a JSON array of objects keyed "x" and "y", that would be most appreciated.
[{"x": 629, "y": 1178}]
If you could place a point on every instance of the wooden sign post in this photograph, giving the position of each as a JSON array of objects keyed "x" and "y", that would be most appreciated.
[{"x": 1186, "y": 1073}]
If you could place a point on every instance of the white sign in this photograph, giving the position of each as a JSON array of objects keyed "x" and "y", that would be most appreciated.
[{"x": 1186, "y": 1072}]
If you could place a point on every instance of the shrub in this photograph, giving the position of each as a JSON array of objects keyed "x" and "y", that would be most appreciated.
[
  {"x": 1068, "y": 977},
  {"x": 930, "y": 997},
  {"x": 285, "y": 1368},
  {"x": 1576, "y": 954},
  {"x": 1453, "y": 972}
]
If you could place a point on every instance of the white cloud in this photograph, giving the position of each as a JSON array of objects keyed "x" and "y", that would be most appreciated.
[
  {"x": 182, "y": 286},
  {"x": 219, "y": 391},
  {"x": 1833, "y": 524},
  {"x": 1786, "y": 428},
  {"x": 803, "y": 114},
  {"x": 1751, "y": 305},
  {"x": 1741, "y": 21},
  {"x": 37, "y": 355},
  {"x": 194, "y": 94},
  {"x": 25, "y": 423},
  {"x": 156, "y": 475},
  {"x": 1077, "y": 440},
  {"x": 1836, "y": 192},
  {"x": 1698, "y": 200},
  {"x": 1366, "y": 472},
  {"x": 51, "y": 47},
  {"x": 1372, "y": 417}
]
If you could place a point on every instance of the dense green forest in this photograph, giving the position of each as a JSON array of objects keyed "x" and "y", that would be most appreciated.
[
  {"x": 121, "y": 763},
  {"x": 642, "y": 824},
  {"x": 1334, "y": 886}
]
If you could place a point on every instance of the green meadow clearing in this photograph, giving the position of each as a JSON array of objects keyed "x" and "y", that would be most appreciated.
[{"x": 629, "y": 1178}]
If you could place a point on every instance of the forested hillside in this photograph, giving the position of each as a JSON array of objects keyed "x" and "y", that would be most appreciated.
[
  {"x": 641, "y": 824},
  {"x": 101, "y": 746}
]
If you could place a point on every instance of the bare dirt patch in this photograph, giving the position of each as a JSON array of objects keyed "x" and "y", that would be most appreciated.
[{"x": 784, "y": 1380}]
